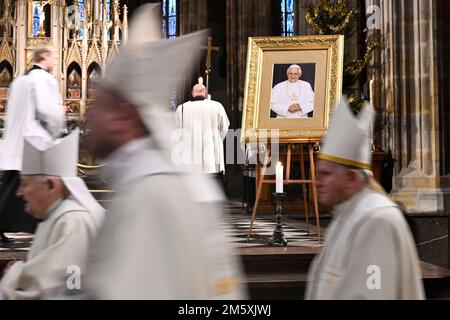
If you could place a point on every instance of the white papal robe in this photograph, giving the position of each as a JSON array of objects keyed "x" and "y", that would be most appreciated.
[
  {"x": 61, "y": 241},
  {"x": 34, "y": 109},
  {"x": 161, "y": 237},
  {"x": 369, "y": 253},
  {"x": 288, "y": 93},
  {"x": 204, "y": 125}
]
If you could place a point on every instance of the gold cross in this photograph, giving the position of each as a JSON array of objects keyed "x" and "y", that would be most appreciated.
[{"x": 208, "y": 49}]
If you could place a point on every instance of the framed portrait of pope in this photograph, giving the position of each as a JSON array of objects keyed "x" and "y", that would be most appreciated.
[{"x": 292, "y": 84}]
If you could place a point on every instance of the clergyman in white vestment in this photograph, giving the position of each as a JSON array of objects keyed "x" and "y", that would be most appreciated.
[
  {"x": 293, "y": 98},
  {"x": 369, "y": 252},
  {"x": 161, "y": 238},
  {"x": 34, "y": 108},
  {"x": 204, "y": 125},
  {"x": 71, "y": 217}
]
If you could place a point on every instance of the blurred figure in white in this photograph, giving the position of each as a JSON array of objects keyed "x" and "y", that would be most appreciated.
[
  {"x": 369, "y": 251},
  {"x": 71, "y": 218},
  {"x": 34, "y": 108},
  {"x": 161, "y": 238},
  {"x": 204, "y": 125}
]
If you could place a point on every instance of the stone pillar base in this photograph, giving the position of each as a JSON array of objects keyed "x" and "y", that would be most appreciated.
[
  {"x": 418, "y": 192},
  {"x": 423, "y": 200}
]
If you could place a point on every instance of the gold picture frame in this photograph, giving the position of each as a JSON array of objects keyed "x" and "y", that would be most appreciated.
[{"x": 321, "y": 55}]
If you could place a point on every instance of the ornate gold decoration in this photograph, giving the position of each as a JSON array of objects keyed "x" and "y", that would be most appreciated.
[
  {"x": 91, "y": 167},
  {"x": 42, "y": 4},
  {"x": 74, "y": 54},
  {"x": 112, "y": 51},
  {"x": 94, "y": 55},
  {"x": 93, "y": 47},
  {"x": 6, "y": 52}
]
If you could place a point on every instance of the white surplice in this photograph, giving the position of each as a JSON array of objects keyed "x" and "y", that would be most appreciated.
[
  {"x": 34, "y": 109},
  {"x": 369, "y": 253},
  {"x": 61, "y": 241},
  {"x": 204, "y": 125},
  {"x": 288, "y": 93}
]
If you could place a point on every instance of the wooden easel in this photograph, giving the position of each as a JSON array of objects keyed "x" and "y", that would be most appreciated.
[{"x": 260, "y": 180}]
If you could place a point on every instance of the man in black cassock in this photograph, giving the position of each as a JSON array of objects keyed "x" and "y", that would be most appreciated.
[{"x": 34, "y": 108}]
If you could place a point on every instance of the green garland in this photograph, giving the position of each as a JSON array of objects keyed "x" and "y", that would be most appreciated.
[{"x": 330, "y": 17}]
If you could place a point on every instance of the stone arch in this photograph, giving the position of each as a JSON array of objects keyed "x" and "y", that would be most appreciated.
[
  {"x": 74, "y": 83},
  {"x": 94, "y": 73},
  {"x": 6, "y": 77}
]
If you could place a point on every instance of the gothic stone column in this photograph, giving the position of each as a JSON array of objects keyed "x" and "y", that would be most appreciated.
[
  {"x": 193, "y": 15},
  {"x": 21, "y": 37},
  {"x": 245, "y": 19},
  {"x": 57, "y": 18},
  {"x": 407, "y": 95}
]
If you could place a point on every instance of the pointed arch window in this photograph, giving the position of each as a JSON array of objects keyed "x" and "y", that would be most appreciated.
[
  {"x": 169, "y": 28},
  {"x": 94, "y": 75},
  {"x": 40, "y": 18},
  {"x": 169, "y": 18},
  {"x": 74, "y": 81},
  {"x": 81, "y": 14},
  {"x": 5, "y": 78},
  {"x": 288, "y": 21},
  {"x": 108, "y": 9},
  {"x": 36, "y": 19}
]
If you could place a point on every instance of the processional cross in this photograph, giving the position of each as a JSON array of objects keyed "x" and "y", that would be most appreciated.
[{"x": 209, "y": 48}]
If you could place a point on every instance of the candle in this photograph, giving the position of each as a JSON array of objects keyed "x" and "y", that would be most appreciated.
[
  {"x": 279, "y": 177},
  {"x": 209, "y": 97},
  {"x": 371, "y": 91},
  {"x": 200, "y": 80}
]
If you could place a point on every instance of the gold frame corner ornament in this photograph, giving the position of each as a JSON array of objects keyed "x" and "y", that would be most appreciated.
[{"x": 257, "y": 48}]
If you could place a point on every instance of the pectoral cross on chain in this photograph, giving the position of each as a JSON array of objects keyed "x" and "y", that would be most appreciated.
[{"x": 209, "y": 48}]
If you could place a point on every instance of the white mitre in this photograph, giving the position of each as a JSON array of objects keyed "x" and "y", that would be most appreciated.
[
  {"x": 348, "y": 138},
  {"x": 59, "y": 158},
  {"x": 53, "y": 158},
  {"x": 148, "y": 70}
]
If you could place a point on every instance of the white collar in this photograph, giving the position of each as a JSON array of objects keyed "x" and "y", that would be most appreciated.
[
  {"x": 52, "y": 208},
  {"x": 129, "y": 148},
  {"x": 41, "y": 66},
  {"x": 343, "y": 207}
]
